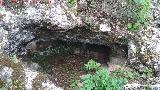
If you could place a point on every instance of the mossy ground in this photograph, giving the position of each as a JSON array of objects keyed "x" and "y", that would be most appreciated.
[{"x": 18, "y": 73}]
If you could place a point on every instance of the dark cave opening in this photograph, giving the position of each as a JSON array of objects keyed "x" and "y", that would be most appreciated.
[
  {"x": 64, "y": 61},
  {"x": 100, "y": 53}
]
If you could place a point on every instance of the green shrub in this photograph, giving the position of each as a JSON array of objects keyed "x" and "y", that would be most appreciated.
[
  {"x": 74, "y": 84},
  {"x": 14, "y": 58},
  {"x": 140, "y": 13},
  {"x": 92, "y": 65},
  {"x": 127, "y": 74},
  {"x": 148, "y": 72},
  {"x": 18, "y": 85},
  {"x": 3, "y": 85},
  {"x": 100, "y": 80},
  {"x": 71, "y": 3}
]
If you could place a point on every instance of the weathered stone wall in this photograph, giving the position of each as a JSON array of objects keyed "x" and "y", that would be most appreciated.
[
  {"x": 43, "y": 22},
  {"x": 144, "y": 48},
  {"x": 55, "y": 22}
]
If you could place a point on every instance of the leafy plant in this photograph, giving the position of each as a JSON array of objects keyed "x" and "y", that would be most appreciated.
[
  {"x": 4, "y": 88},
  {"x": 14, "y": 58},
  {"x": 74, "y": 84},
  {"x": 127, "y": 74},
  {"x": 134, "y": 26},
  {"x": 3, "y": 85},
  {"x": 140, "y": 10},
  {"x": 71, "y": 3},
  {"x": 147, "y": 87},
  {"x": 147, "y": 72},
  {"x": 100, "y": 80},
  {"x": 18, "y": 85},
  {"x": 92, "y": 65},
  {"x": 130, "y": 74}
]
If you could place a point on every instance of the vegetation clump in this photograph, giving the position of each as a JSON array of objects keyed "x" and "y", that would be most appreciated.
[
  {"x": 92, "y": 65},
  {"x": 100, "y": 80},
  {"x": 139, "y": 10},
  {"x": 3, "y": 85}
]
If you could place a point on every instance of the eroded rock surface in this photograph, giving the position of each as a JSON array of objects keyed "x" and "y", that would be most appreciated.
[
  {"x": 23, "y": 76},
  {"x": 42, "y": 23},
  {"x": 46, "y": 23}
]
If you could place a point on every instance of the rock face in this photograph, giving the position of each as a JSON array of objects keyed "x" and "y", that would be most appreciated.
[
  {"x": 47, "y": 23},
  {"x": 144, "y": 51},
  {"x": 23, "y": 76},
  {"x": 141, "y": 87},
  {"x": 144, "y": 48},
  {"x": 49, "y": 18},
  {"x": 6, "y": 74},
  {"x": 42, "y": 23}
]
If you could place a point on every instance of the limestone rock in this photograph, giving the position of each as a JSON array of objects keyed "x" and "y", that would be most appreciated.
[
  {"x": 144, "y": 51},
  {"x": 6, "y": 74}
]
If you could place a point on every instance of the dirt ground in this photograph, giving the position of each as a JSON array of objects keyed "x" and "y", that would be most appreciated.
[{"x": 63, "y": 69}]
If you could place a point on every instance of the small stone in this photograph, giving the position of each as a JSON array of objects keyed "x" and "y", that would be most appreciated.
[
  {"x": 104, "y": 28},
  {"x": 6, "y": 74},
  {"x": 32, "y": 46}
]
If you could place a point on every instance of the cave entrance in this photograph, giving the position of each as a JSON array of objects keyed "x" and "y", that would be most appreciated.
[
  {"x": 64, "y": 61},
  {"x": 115, "y": 54},
  {"x": 59, "y": 48}
]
